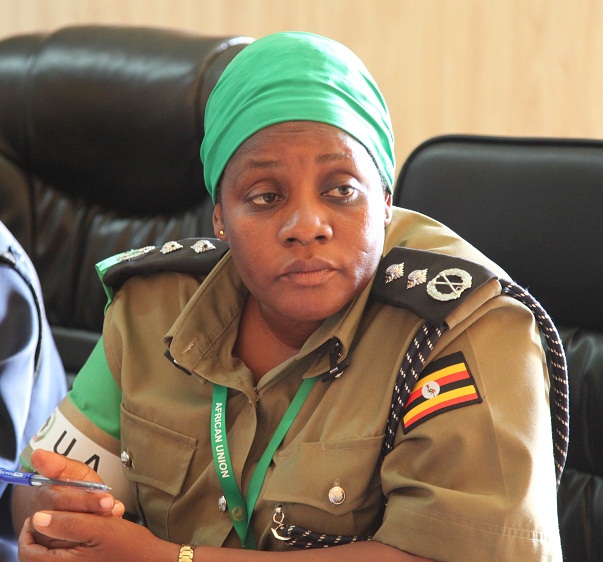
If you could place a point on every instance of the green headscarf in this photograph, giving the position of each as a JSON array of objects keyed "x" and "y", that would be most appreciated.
[{"x": 294, "y": 76}]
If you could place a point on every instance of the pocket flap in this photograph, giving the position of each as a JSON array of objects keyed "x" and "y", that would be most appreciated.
[
  {"x": 307, "y": 472},
  {"x": 159, "y": 457}
]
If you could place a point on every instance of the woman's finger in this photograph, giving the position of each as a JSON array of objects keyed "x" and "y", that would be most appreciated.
[
  {"x": 53, "y": 465},
  {"x": 74, "y": 528},
  {"x": 82, "y": 536},
  {"x": 67, "y": 499},
  {"x": 30, "y": 550}
]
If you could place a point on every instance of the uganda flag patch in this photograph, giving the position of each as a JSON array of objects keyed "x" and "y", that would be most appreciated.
[{"x": 444, "y": 385}]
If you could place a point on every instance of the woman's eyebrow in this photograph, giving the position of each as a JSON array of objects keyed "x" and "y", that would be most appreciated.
[
  {"x": 333, "y": 156},
  {"x": 254, "y": 163}
]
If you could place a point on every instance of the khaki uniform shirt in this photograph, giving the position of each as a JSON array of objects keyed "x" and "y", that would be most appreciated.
[{"x": 472, "y": 482}]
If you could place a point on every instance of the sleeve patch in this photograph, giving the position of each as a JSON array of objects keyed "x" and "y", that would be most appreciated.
[
  {"x": 60, "y": 435},
  {"x": 444, "y": 385}
]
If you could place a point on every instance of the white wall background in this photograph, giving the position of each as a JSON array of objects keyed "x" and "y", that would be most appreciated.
[{"x": 508, "y": 67}]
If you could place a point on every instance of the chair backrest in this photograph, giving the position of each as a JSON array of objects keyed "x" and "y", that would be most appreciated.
[
  {"x": 100, "y": 130},
  {"x": 535, "y": 207}
]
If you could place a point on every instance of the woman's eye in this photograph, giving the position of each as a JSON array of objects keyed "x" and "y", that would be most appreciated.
[
  {"x": 265, "y": 198},
  {"x": 342, "y": 192}
]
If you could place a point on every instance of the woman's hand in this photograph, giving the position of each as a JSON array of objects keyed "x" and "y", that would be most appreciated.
[
  {"x": 92, "y": 538},
  {"x": 59, "y": 498}
]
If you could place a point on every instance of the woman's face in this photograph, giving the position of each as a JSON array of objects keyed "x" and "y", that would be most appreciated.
[{"x": 304, "y": 211}]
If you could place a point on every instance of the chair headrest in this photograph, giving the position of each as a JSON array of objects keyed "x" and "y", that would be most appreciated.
[
  {"x": 137, "y": 95},
  {"x": 531, "y": 205},
  {"x": 100, "y": 130}
]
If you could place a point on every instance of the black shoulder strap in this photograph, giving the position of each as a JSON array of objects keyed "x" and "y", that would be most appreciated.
[
  {"x": 197, "y": 256},
  {"x": 429, "y": 284}
]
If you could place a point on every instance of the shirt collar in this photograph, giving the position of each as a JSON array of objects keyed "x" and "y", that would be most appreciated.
[{"x": 202, "y": 338}]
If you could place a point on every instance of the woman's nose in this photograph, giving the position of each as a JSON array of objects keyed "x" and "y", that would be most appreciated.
[{"x": 305, "y": 223}]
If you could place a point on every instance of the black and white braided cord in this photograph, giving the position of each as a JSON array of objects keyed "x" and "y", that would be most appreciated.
[
  {"x": 422, "y": 345},
  {"x": 558, "y": 373},
  {"x": 302, "y": 538}
]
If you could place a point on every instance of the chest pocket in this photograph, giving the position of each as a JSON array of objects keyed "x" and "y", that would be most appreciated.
[
  {"x": 331, "y": 487},
  {"x": 156, "y": 460}
]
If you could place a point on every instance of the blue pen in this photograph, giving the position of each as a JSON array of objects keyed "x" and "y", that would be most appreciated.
[{"x": 33, "y": 479}]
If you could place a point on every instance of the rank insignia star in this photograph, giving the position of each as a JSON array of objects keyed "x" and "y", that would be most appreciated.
[
  {"x": 131, "y": 254},
  {"x": 170, "y": 247},
  {"x": 416, "y": 278},
  {"x": 394, "y": 272},
  {"x": 201, "y": 246}
]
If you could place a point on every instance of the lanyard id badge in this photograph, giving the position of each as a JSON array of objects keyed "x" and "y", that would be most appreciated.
[{"x": 240, "y": 511}]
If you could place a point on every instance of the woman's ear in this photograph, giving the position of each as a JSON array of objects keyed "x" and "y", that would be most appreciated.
[
  {"x": 388, "y": 207},
  {"x": 218, "y": 222}
]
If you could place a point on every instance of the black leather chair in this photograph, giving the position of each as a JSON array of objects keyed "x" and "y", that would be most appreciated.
[
  {"x": 100, "y": 130},
  {"x": 535, "y": 206}
]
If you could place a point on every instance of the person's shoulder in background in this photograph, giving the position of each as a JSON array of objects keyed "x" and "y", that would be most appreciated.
[{"x": 32, "y": 377}]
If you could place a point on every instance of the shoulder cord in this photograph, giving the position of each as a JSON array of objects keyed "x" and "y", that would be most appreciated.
[
  {"x": 412, "y": 365},
  {"x": 558, "y": 373}
]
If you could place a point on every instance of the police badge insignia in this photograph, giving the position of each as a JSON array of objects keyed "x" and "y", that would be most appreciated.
[
  {"x": 454, "y": 282},
  {"x": 416, "y": 278},
  {"x": 394, "y": 272},
  {"x": 201, "y": 246},
  {"x": 131, "y": 254},
  {"x": 170, "y": 247}
]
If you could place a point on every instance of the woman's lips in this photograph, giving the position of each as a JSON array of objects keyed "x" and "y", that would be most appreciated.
[{"x": 308, "y": 273}]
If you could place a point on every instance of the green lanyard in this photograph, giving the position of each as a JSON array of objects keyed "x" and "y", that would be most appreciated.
[{"x": 241, "y": 511}]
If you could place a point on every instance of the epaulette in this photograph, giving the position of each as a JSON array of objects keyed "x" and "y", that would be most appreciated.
[
  {"x": 191, "y": 255},
  {"x": 429, "y": 284}
]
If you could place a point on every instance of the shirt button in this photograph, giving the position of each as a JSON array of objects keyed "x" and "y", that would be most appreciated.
[
  {"x": 222, "y": 504},
  {"x": 336, "y": 495},
  {"x": 126, "y": 459}
]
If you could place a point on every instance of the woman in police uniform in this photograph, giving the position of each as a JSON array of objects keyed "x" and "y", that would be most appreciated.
[{"x": 240, "y": 399}]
